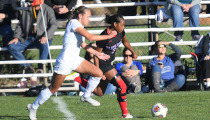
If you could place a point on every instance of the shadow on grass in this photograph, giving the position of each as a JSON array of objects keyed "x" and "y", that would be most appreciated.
[{"x": 6, "y": 117}]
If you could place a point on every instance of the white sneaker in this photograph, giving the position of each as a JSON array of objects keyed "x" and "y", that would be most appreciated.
[
  {"x": 90, "y": 100},
  {"x": 32, "y": 112},
  {"x": 128, "y": 116}
]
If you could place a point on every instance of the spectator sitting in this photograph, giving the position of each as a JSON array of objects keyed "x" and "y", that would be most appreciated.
[
  {"x": 30, "y": 32},
  {"x": 7, "y": 13},
  {"x": 61, "y": 7},
  {"x": 177, "y": 8},
  {"x": 130, "y": 71},
  {"x": 161, "y": 69},
  {"x": 90, "y": 57},
  {"x": 206, "y": 62}
]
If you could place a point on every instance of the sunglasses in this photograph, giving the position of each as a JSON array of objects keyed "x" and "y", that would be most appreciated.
[
  {"x": 128, "y": 55},
  {"x": 160, "y": 46}
]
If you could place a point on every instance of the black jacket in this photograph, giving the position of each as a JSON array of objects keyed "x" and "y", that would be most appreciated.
[
  {"x": 68, "y": 3},
  {"x": 206, "y": 45},
  {"x": 8, "y": 7}
]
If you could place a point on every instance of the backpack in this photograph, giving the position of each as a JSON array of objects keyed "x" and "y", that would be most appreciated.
[
  {"x": 32, "y": 92},
  {"x": 199, "y": 45}
]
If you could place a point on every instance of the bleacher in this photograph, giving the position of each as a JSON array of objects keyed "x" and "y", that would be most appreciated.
[{"x": 152, "y": 36}]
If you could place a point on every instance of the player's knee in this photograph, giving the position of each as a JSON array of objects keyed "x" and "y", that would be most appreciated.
[
  {"x": 98, "y": 73},
  {"x": 124, "y": 87},
  {"x": 98, "y": 92}
]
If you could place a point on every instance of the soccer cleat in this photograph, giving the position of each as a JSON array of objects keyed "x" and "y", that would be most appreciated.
[
  {"x": 127, "y": 116},
  {"x": 90, "y": 100},
  {"x": 32, "y": 112}
]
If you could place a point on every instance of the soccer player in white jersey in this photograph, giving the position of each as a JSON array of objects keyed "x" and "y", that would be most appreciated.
[{"x": 69, "y": 59}]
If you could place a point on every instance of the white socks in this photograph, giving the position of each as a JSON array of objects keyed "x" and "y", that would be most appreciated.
[
  {"x": 91, "y": 85},
  {"x": 43, "y": 96}
]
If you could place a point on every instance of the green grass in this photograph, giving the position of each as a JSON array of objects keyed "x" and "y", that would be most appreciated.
[{"x": 188, "y": 105}]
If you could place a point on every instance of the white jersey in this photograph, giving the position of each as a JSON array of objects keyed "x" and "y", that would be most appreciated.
[{"x": 69, "y": 58}]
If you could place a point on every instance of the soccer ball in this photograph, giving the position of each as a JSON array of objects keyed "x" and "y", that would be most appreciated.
[{"x": 159, "y": 110}]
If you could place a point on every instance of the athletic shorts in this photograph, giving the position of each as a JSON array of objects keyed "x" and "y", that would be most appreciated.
[
  {"x": 105, "y": 67},
  {"x": 65, "y": 68}
]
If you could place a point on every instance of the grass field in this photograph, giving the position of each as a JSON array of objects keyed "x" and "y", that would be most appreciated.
[{"x": 188, "y": 105}]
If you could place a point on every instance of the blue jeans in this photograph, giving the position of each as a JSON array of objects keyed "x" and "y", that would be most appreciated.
[
  {"x": 177, "y": 16},
  {"x": 31, "y": 42},
  {"x": 7, "y": 33},
  {"x": 179, "y": 79}
]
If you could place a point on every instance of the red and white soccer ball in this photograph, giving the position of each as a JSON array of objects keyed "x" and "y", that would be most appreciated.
[{"x": 159, "y": 110}]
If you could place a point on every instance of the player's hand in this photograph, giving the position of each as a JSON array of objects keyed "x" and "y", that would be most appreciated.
[
  {"x": 103, "y": 77},
  {"x": 103, "y": 56},
  {"x": 113, "y": 33},
  {"x": 43, "y": 40},
  {"x": 135, "y": 56},
  {"x": 15, "y": 40}
]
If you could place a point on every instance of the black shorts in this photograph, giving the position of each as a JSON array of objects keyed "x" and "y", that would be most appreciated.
[{"x": 105, "y": 67}]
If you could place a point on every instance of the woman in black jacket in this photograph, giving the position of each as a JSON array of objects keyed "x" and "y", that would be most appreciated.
[
  {"x": 206, "y": 62},
  {"x": 61, "y": 7}
]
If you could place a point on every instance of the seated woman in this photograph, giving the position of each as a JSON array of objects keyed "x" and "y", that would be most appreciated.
[
  {"x": 130, "y": 71},
  {"x": 161, "y": 69},
  {"x": 88, "y": 56},
  {"x": 206, "y": 62}
]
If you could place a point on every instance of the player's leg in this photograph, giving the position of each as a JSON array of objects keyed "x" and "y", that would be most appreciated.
[
  {"x": 116, "y": 80},
  {"x": 93, "y": 81},
  {"x": 99, "y": 90},
  {"x": 45, "y": 94}
]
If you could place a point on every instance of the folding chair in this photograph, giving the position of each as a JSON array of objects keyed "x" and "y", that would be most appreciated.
[{"x": 198, "y": 69}]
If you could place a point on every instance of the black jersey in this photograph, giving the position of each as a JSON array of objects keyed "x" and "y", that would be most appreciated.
[{"x": 110, "y": 45}]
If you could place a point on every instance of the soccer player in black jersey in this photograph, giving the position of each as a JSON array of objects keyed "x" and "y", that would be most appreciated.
[{"x": 109, "y": 47}]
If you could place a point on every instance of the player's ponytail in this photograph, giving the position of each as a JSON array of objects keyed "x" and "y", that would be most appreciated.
[{"x": 115, "y": 18}]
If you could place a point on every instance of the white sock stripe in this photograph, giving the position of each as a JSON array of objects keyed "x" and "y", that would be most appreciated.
[{"x": 63, "y": 108}]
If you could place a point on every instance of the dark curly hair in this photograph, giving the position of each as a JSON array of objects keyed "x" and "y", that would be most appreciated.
[{"x": 114, "y": 18}]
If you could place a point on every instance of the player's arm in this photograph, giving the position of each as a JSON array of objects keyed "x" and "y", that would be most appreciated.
[
  {"x": 127, "y": 44},
  {"x": 96, "y": 60},
  {"x": 98, "y": 55},
  {"x": 93, "y": 37}
]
